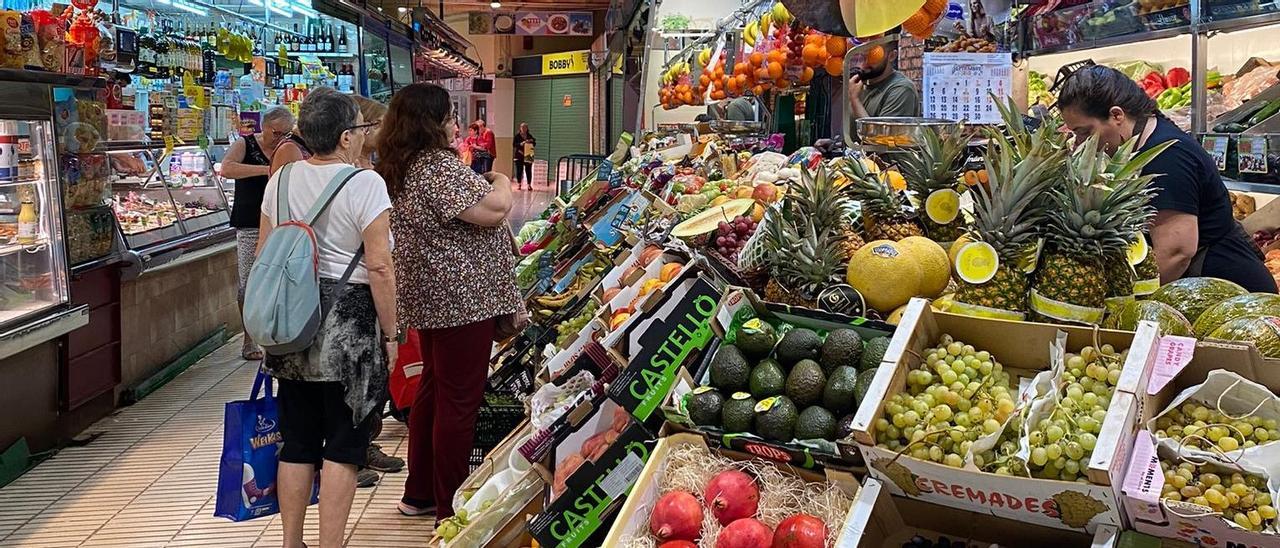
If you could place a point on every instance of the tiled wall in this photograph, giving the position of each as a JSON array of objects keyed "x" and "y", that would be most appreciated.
[{"x": 164, "y": 313}]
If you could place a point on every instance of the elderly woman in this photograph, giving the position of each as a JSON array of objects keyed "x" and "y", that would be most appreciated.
[
  {"x": 248, "y": 161},
  {"x": 329, "y": 394},
  {"x": 455, "y": 273}
]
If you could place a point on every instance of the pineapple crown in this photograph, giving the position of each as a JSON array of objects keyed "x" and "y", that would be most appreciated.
[
  {"x": 938, "y": 163},
  {"x": 817, "y": 197},
  {"x": 872, "y": 189},
  {"x": 1103, "y": 201},
  {"x": 1008, "y": 209}
]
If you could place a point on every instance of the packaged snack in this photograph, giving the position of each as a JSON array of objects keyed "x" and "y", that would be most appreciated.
[
  {"x": 30, "y": 52},
  {"x": 11, "y": 39},
  {"x": 51, "y": 38}
]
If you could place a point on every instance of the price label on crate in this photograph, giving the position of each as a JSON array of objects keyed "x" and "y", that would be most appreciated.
[
  {"x": 1252, "y": 153},
  {"x": 605, "y": 171},
  {"x": 1216, "y": 146},
  {"x": 960, "y": 86}
]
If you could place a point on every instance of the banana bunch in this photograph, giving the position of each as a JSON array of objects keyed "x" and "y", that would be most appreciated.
[
  {"x": 675, "y": 71},
  {"x": 547, "y": 305},
  {"x": 780, "y": 14},
  {"x": 704, "y": 57},
  {"x": 751, "y": 33}
]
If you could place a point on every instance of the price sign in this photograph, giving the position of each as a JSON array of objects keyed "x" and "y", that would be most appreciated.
[
  {"x": 1252, "y": 151},
  {"x": 1216, "y": 146},
  {"x": 961, "y": 86}
]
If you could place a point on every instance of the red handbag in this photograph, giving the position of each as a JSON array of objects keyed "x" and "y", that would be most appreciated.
[{"x": 403, "y": 383}]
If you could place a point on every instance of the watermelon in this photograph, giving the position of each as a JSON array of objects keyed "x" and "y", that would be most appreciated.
[
  {"x": 1262, "y": 331},
  {"x": 1249, "y": 304},
  {"x": 1192, "y": 296},
  {"x": 1170, "y": 320}
]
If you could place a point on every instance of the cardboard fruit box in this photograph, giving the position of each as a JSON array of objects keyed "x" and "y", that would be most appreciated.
[
  {"x": 633, "y": 519},
  {"x": 512, "y": 484},
  {"x": 880, "y": 520},
  {"x": 737, "y": 306},
  {"x": 1023, "y": 349},
  {"x": 1173, "y": 365}
]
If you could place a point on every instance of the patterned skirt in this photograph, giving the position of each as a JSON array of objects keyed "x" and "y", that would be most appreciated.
[{"x": 347, "y": 349}]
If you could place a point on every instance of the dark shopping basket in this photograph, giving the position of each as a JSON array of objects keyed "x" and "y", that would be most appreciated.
[{"x": 503, "y": 409}]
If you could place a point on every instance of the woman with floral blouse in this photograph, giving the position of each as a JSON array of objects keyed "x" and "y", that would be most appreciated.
[{"x": 453, "y": 252}]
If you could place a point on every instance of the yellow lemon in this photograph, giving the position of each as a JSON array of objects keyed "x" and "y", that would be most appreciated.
[{"x": 977, "y": 262}]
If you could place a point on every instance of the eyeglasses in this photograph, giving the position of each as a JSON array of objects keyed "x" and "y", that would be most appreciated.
[{"x": 367, "y": 127}]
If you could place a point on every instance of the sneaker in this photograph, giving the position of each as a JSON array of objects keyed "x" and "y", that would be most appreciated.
[
  {"x": 382, "y": 462},
  {"x": 366, "y": 478},
  {"x": 412, "y": 511}
]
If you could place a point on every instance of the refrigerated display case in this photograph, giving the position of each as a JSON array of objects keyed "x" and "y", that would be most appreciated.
[
  {"x": 377, "y": 69},
  {"x": 83, "y": 172},
  {"x": 165, "y": 202}
]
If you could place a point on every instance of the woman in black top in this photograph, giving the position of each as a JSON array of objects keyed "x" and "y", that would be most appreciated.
[
  {"x": 248, "y": 162},
  {"x": 1194, "y": 233},
  {"x": 523, "y": 163}
]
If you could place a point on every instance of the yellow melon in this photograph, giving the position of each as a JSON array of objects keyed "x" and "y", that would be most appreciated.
[
  {"x": 934, "y": 265},
  {"x": 707, "y": 221},
  {"x": 885, "y": 274}
]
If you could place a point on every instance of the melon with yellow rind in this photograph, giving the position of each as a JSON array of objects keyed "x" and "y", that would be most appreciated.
[
  {"x": 708, "y": 220},
  {"x": 886, "y": 274},
  {"x": 934, "y": 267}
]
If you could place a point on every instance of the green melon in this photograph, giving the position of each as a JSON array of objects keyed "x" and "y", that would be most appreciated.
[
  {"x": 1170, "y": 320},
  {"x": 1192, "y": 296},
  {"x": 1262, "y": 331},
  {"x": 1242, "y": 306}
]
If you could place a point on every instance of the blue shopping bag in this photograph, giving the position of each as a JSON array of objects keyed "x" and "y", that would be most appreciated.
[{"x": 250, "y": 452}]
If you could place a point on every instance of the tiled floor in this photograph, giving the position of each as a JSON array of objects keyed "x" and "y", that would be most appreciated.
[{"x": 149, "y": 479}]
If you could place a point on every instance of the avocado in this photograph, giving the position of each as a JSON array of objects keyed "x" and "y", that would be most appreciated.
[
  {"x": 704, "y": 406},
  {"x": 756, "y": 338},
  {"x": 798, "y": 344},
  {"x": 816, "y": 423},
  {"x": 845, "y": 427},
  {"x": 730, "y": 369},
  {"x": 873, "y": 354},
  {"x": 768, "y": 379},
  {"x": 738, "y": 412},
  {"x": 863, "y": 384},
  {"x": 776, "y": 418},
  {"x": 843, "y": 348},
  {"x": 838, "y": 396},
  {"x": 806, "y": 383}
]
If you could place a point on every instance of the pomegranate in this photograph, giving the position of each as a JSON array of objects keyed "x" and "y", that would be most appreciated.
[
  {"x": 678, "y": 544},
  {"x": 800, "y": 531},
  {"x": 745, "y": 533},
  {"x": 676, "y": 516},
  {"x": 732, "y": 495}
]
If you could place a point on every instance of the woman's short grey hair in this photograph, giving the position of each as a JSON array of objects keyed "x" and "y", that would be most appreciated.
[
  {"x": 324, "y": 117},
  {"x": 278, "y": 114}
]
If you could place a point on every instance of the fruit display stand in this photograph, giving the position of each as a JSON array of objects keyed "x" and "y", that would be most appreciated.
[
  {"x": 1025, "y": 349},
  {"x": 881, "y": 520},
  {"x": 700, "y": 403},
  {"x": 684, "y": 462},
  {"x": 1184, "y": 370}
]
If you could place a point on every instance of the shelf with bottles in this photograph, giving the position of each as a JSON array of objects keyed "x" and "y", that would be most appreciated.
[{"x": 32, "y": 267}]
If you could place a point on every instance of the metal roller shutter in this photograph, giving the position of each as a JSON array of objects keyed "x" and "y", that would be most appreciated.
[
  {"x": 533, "y": 100},
  {"x": 570, "y": 132}
]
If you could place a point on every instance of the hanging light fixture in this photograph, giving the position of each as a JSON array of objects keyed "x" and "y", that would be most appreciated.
[{"x": 495, "y": 4}]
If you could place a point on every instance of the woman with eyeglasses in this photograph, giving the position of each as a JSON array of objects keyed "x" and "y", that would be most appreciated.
[
  {"x": 330, "y": 394},
  {"x": 248, "y": 161},
  {"x": 1194, "y": 232}
]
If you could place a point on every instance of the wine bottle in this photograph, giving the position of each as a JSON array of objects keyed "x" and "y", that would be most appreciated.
[{"x": 342, "y": 41}]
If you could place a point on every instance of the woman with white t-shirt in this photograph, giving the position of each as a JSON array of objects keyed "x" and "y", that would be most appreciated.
[{"x": 329, "y": 394}]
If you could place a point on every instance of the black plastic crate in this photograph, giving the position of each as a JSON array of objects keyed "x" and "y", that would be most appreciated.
[{"x": 498, "y": 416}]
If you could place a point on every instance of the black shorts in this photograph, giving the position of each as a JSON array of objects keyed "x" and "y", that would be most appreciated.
[{"x": 315, "y": 424}]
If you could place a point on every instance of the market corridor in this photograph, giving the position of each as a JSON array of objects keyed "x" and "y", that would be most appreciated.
[{"x": 148, "y": 479}]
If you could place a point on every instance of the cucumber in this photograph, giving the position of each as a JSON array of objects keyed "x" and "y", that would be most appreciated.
[{"x": 1265, "y": 112}]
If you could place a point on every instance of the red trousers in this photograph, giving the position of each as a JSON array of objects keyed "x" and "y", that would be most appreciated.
[{"x": 442, "y": 420}]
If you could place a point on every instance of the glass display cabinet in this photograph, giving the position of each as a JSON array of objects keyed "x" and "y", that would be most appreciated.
[{"x": 158, "y": 202}]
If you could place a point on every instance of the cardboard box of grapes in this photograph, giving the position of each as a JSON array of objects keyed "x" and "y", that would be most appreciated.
[
  {"x": 1244, "y": 449},
  {"x": 881, "y": 520},
  {"x": 783, "y": 499},
  {"x": 918, "y": 423}
]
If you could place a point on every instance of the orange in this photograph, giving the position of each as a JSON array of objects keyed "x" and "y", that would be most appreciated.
[
  {"x": 742, "y": 80},
  {"x": 918, "y": 24},
  {"x": 762, "y": 73},
  {"x": 758, "y": 90},
  {"x": 806, "y": 75},
  {"x": 775, "y": 70},
  {"x": 970, "y": 177},
  {"x": 834, "y": 65},
  {"x": 757, "y": 58},
  {"x": 875, "y": 56},
  {"x": 717, "y": 95},
  {"x": 982, "y": 176},
  {"x": 934, "y": 8},
  {"x": 777, "y": 56},
  {"x": 809, "y": 54},
  {"x": 704, "y": 80},
  {"x": 836, "y": 46}
]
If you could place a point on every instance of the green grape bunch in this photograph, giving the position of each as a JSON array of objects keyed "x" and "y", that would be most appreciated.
[
  {"x": 1062, "y": 443},
  {"x": 569, "y": 329},
  {"x": 1241, "y": 498},
  {"x": 1195, "y": 425},
  {"x": 957, "y": 395}
]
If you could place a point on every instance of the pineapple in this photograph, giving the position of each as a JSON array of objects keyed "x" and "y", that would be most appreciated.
[
  {"x": 817, "y": 197},
  {"x": 883, "y": 216},
  {"x": 803, "y": 260},
  {"x": 937, "y": 166},
  {"x": 1007, "y": 212},
  {"x": 1102, "y": 202}
]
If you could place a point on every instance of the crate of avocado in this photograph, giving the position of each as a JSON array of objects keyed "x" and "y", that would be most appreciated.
[{"x": 783, "y": 384}]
